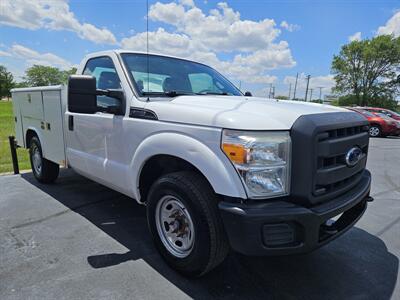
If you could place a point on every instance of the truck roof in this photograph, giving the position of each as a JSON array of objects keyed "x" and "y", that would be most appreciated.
[
  {"x": 119, "y": 51},
  {"x": 38, "y": 88}
]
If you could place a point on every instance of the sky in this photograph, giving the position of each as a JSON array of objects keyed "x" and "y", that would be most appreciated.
[{"x": 256, "y": 44}]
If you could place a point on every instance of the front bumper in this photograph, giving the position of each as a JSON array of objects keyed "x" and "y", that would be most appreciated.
[{"x": 279, "y": 227}]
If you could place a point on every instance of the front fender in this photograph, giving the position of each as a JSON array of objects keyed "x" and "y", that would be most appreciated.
[{"x": 214, "y": 166}]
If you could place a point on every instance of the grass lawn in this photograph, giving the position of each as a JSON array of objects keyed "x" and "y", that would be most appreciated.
[{"x": 6, "y": 129}]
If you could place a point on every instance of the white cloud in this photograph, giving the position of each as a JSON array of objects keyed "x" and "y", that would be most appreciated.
[
  {"x": 32, "y": 57},
  {"x": 189, "y": 3},
  {"x": 289, "y": 27},
  {"x": 4, "y": 53},
  {"x": 220, "y": 30},
  {"x": 160, "y": 41},
  {"x": 201, "y": 36},
  {"x": 392, "y": 26},
  {"x": 355, "y": 37},
  {"x": 52, "y": 15}
]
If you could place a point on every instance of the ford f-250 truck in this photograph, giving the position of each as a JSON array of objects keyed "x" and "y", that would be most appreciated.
[{"x": 216, "y": 169}]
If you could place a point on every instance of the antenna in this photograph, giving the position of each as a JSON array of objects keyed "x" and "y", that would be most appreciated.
[{"x": 147, "y": 47}]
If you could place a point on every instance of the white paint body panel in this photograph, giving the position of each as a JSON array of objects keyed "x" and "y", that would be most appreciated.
[
  {"x": 41, "y": 109},
  {"x": 112, "y": 150},
  {"x": 246, "y": 113}
]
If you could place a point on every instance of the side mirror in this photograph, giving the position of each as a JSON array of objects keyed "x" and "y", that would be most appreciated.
[
  {"x": 82, "y": 94},
  {"x": 248, "y": 94},
  {"x": 117, "y": 108}
]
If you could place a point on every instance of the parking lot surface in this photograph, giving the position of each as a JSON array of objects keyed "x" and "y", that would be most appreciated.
[{"x": 77, "y": 239}]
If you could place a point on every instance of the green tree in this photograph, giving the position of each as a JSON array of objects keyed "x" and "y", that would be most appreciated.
[
  {"x": 378, "y": 101},
  {"x": 280, "y": 97},
  {"x": 6, "y": 82},
  {"x": 22, "y": 84},
  {"x": 67, "y": 73},
  {"x": 368, "y": 69},
  {"x": 38, "y": 75}
]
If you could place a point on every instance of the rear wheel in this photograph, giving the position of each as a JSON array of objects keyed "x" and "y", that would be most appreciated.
[
  {"x": 183, "y": 218},
  {"x": 44, "y": 170},
  {"x": 375, "y": 131}
]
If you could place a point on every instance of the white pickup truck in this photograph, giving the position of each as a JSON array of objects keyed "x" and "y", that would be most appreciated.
[{"x": 216, "y": 169}]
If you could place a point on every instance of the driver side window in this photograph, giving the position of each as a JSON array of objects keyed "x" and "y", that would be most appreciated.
[{"x": 103, "y": 69}]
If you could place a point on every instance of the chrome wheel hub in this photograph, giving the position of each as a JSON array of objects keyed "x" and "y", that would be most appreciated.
[
  {"x": 174, "y": 226},
  {"x": 36, "y": 159},
  {"x": 374, "y": 131}
]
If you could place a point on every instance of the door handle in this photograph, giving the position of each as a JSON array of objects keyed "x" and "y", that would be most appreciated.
[{"x": 71, "y": 123}]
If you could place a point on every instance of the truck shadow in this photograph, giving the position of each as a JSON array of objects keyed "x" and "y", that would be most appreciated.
[{"x": 357, "y": 265}]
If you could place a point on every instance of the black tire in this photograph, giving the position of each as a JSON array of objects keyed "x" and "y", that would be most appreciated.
[
  {"x": 48, "y": 171},
  {"x": 375, "y": 131},
  {"x": 210, "y": 245}
]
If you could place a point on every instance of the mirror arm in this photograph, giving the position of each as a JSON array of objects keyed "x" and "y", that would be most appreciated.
[
  {"x": 100, "y": 92},
  {"x": 118, "y": 94}
]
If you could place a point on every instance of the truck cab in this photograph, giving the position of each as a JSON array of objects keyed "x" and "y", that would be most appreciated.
[{"x": 217, "y": 170}]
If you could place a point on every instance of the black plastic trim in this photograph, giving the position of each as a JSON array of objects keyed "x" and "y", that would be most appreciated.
[
  {"x": 307, "y": 147},
  {"x": 142, "y": 113},
  {"x": 245, "y": 222}
]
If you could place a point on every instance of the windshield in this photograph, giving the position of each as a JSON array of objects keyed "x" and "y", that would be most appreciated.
[
  {"x": 383, "y": 116},
  {"x": 364, "y": 112},
  {"x": 168, "y": 77},
  {"x": 393, "y": 113}
]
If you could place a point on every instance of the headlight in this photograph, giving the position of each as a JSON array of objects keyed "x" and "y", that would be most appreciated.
[{"x": 262, "y": 160}]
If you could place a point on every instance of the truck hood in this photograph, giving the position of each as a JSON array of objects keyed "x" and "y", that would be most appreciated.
[{"x": 247, "y": 113}]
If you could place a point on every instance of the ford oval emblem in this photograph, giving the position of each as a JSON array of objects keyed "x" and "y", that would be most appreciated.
[{"x": 353, "y": 156}]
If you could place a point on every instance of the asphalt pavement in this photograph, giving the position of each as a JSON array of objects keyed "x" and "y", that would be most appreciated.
[{"x": 79, "y": 240}]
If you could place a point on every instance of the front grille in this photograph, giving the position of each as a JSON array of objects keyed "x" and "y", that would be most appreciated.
[
  {"x": 342, "y": 132},
  {"x": 319, "y": 146},
  {"x": 332, "y": 173}
]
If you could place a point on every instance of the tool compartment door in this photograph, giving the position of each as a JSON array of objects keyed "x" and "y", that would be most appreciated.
[
  {"x": 19, "y": 134},
  {"x": 31, "y": 105},
  {"x": 53, "y": 133}
]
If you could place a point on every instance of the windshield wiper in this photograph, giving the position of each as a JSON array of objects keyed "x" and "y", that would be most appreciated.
[
  {"x": 213, "y": 93},
  {"x": 168, "y": 93}
]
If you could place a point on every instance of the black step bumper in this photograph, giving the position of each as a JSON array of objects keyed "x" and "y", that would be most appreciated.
[{"x": 278, "y": 227}]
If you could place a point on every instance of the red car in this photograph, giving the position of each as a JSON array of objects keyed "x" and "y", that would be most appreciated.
[
  {"x": 388, "y": 112},
  {"x": 379, "y": 124}
]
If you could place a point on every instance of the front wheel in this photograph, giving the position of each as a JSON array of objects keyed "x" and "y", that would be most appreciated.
[
  {"x": 44, "y": 170},
  {"x": 183, "y": 218},
  {"x": 374, "y": 131}
]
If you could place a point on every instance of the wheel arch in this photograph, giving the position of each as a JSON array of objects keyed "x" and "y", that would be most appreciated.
[
  {"x": 184, "y": 151},
  {"x": 161, "y": 164},
  {"x": 30, "y": 133},
  {"x": 376, "y": 124}
]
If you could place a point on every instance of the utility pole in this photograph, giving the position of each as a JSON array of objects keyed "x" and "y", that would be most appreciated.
[
  {"x": 295, "y": 86},
  {"x": 270, "y": 90},
  {"x": 308, "y": 81},
  {"x": 273, "y": 92},
  {"x": 320, "y": 92},
  {"x": 290, "y": 90},
  {"x": 311, "y": 94}
]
